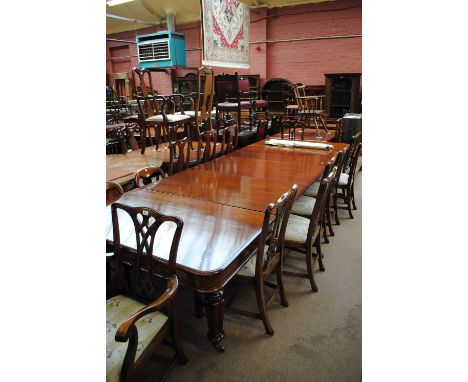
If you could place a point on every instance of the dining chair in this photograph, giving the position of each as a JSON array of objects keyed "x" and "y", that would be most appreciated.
[
  {"x": 203, "y": 105},
  {"x": 153, "y": 112},
  {"x": 266, "y": 260},
  {"x": 303, "y": 234},
  {"x": 206, "y": 146},
  {"x": 140, "y": 318},
  {"x": 116, "y": 136},
  {"x": 339, "y": 160},
  {"x": 229, "y": 138},
  {"x": 148, "y": 175},
  {"x": 345, "y": 186},
  {"x": 180, "y": 155}
]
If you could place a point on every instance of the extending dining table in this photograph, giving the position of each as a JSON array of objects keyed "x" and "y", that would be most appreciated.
[{"x": 222, "y": 204}]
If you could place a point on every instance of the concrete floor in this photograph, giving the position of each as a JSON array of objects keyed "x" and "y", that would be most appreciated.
[{"x": 317, "y": 338}]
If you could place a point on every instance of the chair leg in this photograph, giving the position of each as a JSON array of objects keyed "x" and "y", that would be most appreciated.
[
  {"x": 328, "y": 217},
  {"x": 352, "y": 197},
  {"x": 279, "y": 278},
  {"x": 348, "y": 203},
  {"x": 261, "y": 306},
  {"x": 335, "y": 207},
  {"x": 176, "y": 336},
  {"x": 310, "y": 272},
  {"x": 323, "y": 225},
  {"x": 318, "y": 246}
]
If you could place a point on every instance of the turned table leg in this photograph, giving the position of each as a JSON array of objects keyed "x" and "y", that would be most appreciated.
[{"x": 215, "y": 317}]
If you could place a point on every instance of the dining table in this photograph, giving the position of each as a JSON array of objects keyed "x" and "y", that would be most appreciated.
[{"x": 222, "y": 204}]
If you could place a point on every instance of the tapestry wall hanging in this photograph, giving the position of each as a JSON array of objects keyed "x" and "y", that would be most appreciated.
[{"x": 225, "y": 28}]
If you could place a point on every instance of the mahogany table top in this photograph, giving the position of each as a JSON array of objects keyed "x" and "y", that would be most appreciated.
[
  {"x": 222, "y": 203},
  {"x": 213, "y": 234}
]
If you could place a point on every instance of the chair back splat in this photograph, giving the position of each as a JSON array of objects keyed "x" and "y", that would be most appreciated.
[
  {"x": 206, "y": 149},
  {"x": 179, "y": 155},
  {"x": 140, "y": 86},
  {"x": 146, "y": 224},
  {"x": 204, "y": 101}
]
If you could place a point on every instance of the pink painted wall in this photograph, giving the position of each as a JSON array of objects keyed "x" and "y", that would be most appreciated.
[{"x": 298, "y": 61}]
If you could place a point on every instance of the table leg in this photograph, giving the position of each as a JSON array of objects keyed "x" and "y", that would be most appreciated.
[{"x": 215, "y": 317}]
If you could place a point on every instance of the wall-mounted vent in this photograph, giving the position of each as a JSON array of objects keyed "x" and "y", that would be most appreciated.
[{"x": 154, "y": 51}]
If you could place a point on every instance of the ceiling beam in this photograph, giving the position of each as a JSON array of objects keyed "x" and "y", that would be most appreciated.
[
  {"x": 131, "y": 20},
  {"x": 145, "y": 5}
]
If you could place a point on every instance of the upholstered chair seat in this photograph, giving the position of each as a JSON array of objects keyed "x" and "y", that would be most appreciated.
[
  {"x": 228, "y": 105},
  {"x": 297, "y": 229},
  {"x": 312, "y": 190},
  {"x": 171, "y": 118},
  {"x": 119, "y": 309},
  {"x": 249, "y": 267},
  {"x": 303, "y": 206},
  {"x": 191, "y": 113},
  {"x": 343, "y": 179},
  {"x": 261, "y": 103}
]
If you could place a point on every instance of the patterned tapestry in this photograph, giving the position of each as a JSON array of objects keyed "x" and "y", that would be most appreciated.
[{"x": 225, "y": 33}]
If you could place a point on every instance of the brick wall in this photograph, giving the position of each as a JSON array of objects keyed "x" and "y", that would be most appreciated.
[{"x": 298, "y": 61}]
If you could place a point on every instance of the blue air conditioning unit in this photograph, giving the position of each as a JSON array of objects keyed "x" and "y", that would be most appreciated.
[{"x": 161, "y": 50}]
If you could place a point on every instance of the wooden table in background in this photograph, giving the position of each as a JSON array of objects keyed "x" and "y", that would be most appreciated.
[
  {"x": 121, "y": 168},
  {"x": 222, "y": 204}
]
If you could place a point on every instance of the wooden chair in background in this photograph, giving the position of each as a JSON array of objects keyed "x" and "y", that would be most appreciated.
[
  {"x": 345, "y": 186},
  {"x": 140, "y": 315},
  {"x": 148, "y": 175},
  {"x": 203, "y": 105},
  {"x": 267, "y": 259},
  {"x": 303, "y": 234}
]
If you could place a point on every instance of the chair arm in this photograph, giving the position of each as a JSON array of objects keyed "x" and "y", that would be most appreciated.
[{"x": 123, "y": 331}]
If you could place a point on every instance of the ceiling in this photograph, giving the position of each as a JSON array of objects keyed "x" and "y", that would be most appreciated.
[{"x": 153, "y": 12}]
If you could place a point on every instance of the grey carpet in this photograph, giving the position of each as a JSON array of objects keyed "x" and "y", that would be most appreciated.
[{"x": 317, "y": 338}]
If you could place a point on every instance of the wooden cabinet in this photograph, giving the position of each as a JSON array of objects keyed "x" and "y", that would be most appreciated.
[{"x": 342, "y": 94}]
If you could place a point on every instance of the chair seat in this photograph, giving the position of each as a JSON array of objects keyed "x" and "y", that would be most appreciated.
[
  {"x": 303, "y": 206},
  {"x": 310, "y": 111},
  {"x": 171, "y": 118},
  {"x": 261, "y": 103},
  {"x": 227, "y": 105},
  {"x": 313, "y": 190},
  {"x": 292, "y": 107},
  {"x": 249, "y": 267},
  {"x": 118, "y": 309},
  {"x": 191, "y": 113},
  {"x": 343, "y": 179},
  {"x": 133, "y": 117},
  {"x": 297, "y": 228}
]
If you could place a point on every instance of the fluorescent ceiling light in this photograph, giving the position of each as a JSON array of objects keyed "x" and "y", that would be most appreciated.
[{"x": 110, "y": 3}]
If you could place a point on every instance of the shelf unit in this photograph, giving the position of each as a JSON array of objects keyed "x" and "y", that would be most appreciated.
[{"x": 342, "y": 94}]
